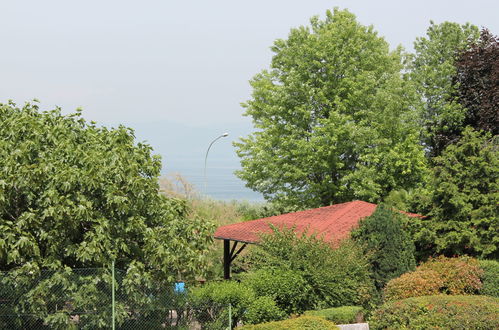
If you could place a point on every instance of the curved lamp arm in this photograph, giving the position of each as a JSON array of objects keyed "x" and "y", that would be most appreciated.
[{"x": 206, "y": 157}]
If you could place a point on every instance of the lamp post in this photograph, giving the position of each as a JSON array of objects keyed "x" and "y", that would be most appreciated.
[{"x": 206, "y": 157}]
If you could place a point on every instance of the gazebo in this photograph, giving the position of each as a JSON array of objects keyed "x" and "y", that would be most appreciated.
[{"x": 332, "y": 223}]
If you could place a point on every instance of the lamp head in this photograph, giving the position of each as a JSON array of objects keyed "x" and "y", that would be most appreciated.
[{"x": 225, "y": 134}]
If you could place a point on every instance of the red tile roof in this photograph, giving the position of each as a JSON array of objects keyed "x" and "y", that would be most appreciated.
[{"x": 333, "y": 223}]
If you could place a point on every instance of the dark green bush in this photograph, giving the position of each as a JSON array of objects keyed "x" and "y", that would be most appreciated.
[
  {"x": 340, "y": 315},
  {"x": 387, "y": 244},
  {"x": 438, "y": 312},
  {"x": 299, "y": 323},
  {"x": 288, "y": 288},
  {"x": 490, "y": 277},
  {"x": 333, "y": 277},
  {"x": 263, "y": 309},
  {"x": 219, "y": 294}
]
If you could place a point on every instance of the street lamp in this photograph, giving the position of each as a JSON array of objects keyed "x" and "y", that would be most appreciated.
[{"x": 206, "y": 157}]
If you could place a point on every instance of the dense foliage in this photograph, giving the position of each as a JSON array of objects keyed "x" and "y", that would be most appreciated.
[
  {"x": 455, "y": 276},
  {"x": 463, "y": 200},
  {"x": 438, "y": 312},
  {"x": 477, "y": 78},
  {"x": 299, "y": 323},
  {"x": 387, "y": 244},
  {"x": 490, "y": 277},
  {"x": 433, "y": 71},
  {"x": 340, "y": 315},
  {"x": 287, "y": 287},
  {"x": 312, "y": 274},
  {"x": 246, "y": 305},
  {"x": 75, "y": 195},
  {"x": 214, "y": 294},
  {"x": 334, "y": 118}
]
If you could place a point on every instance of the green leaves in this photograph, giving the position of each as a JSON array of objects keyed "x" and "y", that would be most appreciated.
[
  {"x": 432, "y": 71},
  {"x": 388, "y": 246},
  {"x": 464, "y": 202},
  {"x": 83, "y": 195},
  {"x": 329, "y": 110}
]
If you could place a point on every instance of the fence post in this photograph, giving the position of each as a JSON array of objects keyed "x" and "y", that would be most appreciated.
[
  {"x": 112, "y": 296},
  {"x": 230, "y": 316}
]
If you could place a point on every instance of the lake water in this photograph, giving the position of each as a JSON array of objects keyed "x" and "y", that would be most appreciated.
[{"x": 221, "y": 183}]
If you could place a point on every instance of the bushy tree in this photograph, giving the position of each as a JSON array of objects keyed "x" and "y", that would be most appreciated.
[
  {"x": 75, "y": 195},
  {"x": 463, "y": 200},
  {"x": 477, "y": 78},
  {"x": 314, "y": 273},
  {"x": 334, "y": 118},
  {"x": 387, "y": 244},
  {"x": 433, "y": 70}
]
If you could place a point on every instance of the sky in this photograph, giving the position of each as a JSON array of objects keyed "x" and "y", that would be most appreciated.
[{"x": 177, "y": 71}]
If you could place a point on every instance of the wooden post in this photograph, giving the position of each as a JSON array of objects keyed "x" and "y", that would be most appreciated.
[{"x": 227, "y": 258}]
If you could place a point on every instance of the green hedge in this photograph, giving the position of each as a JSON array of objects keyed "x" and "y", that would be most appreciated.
[
  {"x": 490, "y": 278},
  {"x": 340, "y": 315},
  {"x": 438, "y": 312},
  {"x": 263, "y": 309},
  {"x": 299, "y": 323}
]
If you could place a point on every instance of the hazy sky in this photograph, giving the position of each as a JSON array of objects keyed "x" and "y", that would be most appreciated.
[{"x": 165, "y": 67}]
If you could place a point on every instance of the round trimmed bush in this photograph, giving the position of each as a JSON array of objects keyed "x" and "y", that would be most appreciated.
[
  {"x": 453, "y": 276},
  {"x": 460, "y": 275},
  {"x": 414, "y": 284},
  {"x": 438, "y": 312}
]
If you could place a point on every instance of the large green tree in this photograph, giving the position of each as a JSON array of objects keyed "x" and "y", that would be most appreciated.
[
  {"x": 333, "y": 116},
  {"x": 76, "y": 195},
  {"x": 463, "y": 201},
  {"x": 432, "y": 71}
]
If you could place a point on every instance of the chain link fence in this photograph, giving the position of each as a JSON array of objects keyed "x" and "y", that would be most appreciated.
[{"x": 83, "y": 299}]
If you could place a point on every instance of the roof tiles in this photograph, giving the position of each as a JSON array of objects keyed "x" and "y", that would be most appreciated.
[{"x": 333, "y": 223}]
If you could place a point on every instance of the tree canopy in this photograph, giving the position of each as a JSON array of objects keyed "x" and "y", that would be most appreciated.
[
  {"x": 433, "y": 70},
  {"x": 334, "y": 117},
  {"x": 78, "y": 195},
  {"x": 477, "y": 78},
  {"x": 463, "y": 199}
]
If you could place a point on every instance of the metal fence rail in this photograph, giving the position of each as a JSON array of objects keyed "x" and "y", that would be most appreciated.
[{"x": 90, "y": 299}]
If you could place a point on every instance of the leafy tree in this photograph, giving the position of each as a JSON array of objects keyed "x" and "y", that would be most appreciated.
[
  {"x": 74, "y": 195},
  {"x": 334, "y": 118},
  {"x": 389, "y": 247},
  {"x": 312, "y": 274},
  {"x": 477, "y": 78},
  {"x": 463, "y": 200},
  {"x": 432, "y": 71}
]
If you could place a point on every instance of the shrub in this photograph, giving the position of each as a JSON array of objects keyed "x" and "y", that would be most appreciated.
[
  {"x": 460, "y": 275},
  {"x": 389, "y": 247},
  {"x": 439, "y": 275},
  {"x": 333, "y": 277},
  {"x": 299, "y": 323},
  {"x": 490, "y": 277},
  {"x": 414, "y": 284},
  {"x": 288, "y": 288},
  {"x": 263, "y": 309},
  {"x": 219, "y": 294},
  {"x": 438, "y": 312},
  {"x": 340, "y": 315}
]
